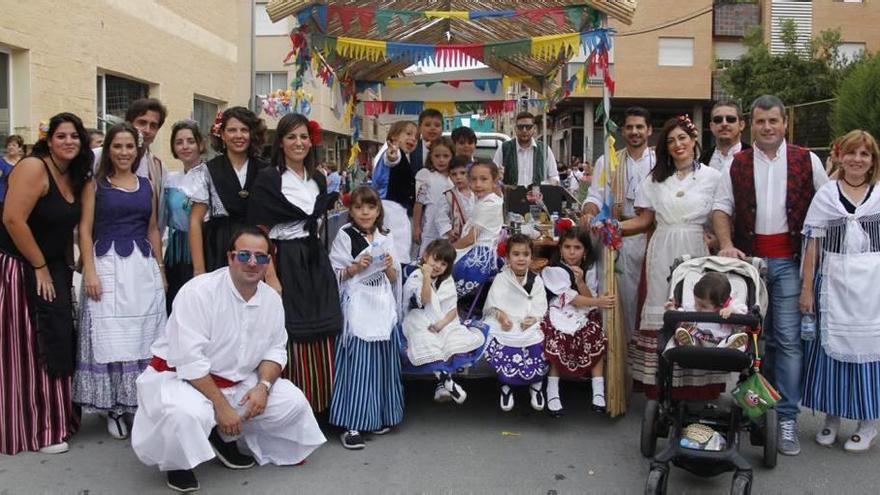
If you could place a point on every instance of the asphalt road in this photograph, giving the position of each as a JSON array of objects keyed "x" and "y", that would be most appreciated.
[{"x": 444, "y": 448}]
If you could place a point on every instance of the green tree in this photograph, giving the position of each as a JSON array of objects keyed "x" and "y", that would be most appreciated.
[
  {"x": 858, "y": 99},
  {"x": 803, "y": 73}
]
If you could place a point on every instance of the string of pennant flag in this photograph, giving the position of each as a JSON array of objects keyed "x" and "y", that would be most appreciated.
[
  {"x": 577, "y": 16},
  {"x": 594, "y": 43},
  {"x": 488, "y": 107}
]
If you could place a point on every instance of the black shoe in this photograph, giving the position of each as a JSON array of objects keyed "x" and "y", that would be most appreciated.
[
  {"x": 352, "y": 440},
  {"x": 228, "y": 453},
  {"x": 184, "y": 481}
]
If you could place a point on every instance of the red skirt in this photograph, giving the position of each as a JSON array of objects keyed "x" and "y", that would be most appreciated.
[
  {"x": 578, "y": 353},
  {"x": 36, "y": 409}
]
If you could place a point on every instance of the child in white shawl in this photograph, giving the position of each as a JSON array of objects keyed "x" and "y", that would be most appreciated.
[
  {"x": 367, "y": 389},
  {"x": 513, "y": 311},
  {"x": 436, "y": 339},
  {"x": 476, "y": 260}
]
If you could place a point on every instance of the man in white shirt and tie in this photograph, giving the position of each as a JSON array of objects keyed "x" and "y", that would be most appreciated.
[{"x": 213, "y": 383}]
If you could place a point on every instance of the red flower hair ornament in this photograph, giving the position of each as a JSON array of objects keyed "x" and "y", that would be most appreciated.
[
  {"x": 314, "y": 132},
  {"x": 564, "y": 224}
]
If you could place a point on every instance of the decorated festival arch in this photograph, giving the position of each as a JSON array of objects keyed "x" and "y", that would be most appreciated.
[{"x": 351, "y": 44}]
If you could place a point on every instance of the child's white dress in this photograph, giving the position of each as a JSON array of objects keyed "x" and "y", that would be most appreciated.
[{"x": 425, "y": 346}]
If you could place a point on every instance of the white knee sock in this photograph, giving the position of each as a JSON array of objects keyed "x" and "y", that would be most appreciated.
[
  {"x": 599, "y": 391},
  {"x": 553, "y": 393}
]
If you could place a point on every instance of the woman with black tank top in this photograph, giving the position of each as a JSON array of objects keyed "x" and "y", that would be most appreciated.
[
  {"x": 37, "y": 338},
  {"x": 220, "y": 189}
]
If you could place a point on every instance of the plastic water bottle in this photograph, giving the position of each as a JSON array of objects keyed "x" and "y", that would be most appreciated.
[
  {"x": 553, "y": 218},
  {"x": 808, "y": 327}
]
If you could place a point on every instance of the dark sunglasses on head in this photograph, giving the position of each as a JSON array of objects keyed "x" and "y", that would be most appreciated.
[
  {"x": 731, "y": 119},
  {"x": 244, "y": 256},
  {"x": 525, "y": 127}
]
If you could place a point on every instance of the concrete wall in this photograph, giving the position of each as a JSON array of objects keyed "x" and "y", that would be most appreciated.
[{"x": 181, "y": 48}]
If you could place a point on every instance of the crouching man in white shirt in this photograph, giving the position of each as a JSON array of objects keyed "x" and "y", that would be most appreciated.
[{"x": 212, "y": 386}]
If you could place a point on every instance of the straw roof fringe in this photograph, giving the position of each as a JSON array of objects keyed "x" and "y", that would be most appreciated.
[{"x": 433, "y": 31}]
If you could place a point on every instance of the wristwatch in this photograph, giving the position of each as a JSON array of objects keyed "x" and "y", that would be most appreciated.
[{"x": 267, "y": 384}]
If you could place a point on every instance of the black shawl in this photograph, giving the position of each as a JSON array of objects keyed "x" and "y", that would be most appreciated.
[
  {"x": 235, "y": 198},
  {"x": 269, "y": 207}
]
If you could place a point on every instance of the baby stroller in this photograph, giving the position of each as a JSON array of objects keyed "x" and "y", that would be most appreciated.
[{"x": 667, "y": 417}]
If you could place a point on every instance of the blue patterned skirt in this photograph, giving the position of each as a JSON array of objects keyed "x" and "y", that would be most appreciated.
[
  {"x": 517, "y": 365},
  {"x": 474, "y": 269},
  {"x": 367, "y": 389}
]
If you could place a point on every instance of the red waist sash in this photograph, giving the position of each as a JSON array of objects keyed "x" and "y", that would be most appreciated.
[
  {"x": 161, "y": 365},
  {"x": 773, "y": 246}
]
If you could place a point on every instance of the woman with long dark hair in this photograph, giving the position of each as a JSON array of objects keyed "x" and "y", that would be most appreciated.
[
  {"x": 220, "y": 189},
  {"x": 678, "y": 195},
  {"x": 187, "y": 145},
  {"x": 123, "y": 292},
  {"x": 288, "y": 199},
  {"x": 37, "y": 338}
]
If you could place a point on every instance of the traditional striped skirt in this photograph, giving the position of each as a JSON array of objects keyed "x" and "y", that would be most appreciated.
[
  {"x": 36, "y": 409},
  {"x": 368, "y": 394},
  {"x": 849, "y": 390},
  {"x": 310, "y": 366}
]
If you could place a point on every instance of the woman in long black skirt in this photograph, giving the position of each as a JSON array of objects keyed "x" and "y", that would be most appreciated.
[
  {"x": 288, "y": 199},
  {"x": 220, "y": 190}
]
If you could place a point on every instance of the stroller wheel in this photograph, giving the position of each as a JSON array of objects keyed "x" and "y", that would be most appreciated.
[
  {"x": 771, "y": 423},
  {"x": 658, "y": 479},
  {"x": 742, "y": 483},
  {"x": 649, "y": 428}
]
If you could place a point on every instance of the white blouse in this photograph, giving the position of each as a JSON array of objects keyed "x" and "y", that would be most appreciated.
[{"x": 301, "y": 193}]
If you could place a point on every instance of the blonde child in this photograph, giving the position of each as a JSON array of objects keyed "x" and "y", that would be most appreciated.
[
  {"x": 574, "y": 342},
  {"x": 367, "y": 390},
  {"x": 431, "y": 183},
  {"x": 476, "y": 259},
  {"x": 513, "y": 311},
  {"x": 436, "y": 339}
]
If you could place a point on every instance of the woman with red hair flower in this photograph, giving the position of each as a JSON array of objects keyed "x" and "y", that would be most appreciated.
[{"x": 288, "y": 199}]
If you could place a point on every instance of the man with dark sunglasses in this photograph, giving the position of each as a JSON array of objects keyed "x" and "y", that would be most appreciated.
[
  {"x": 727, "y": 124},
  {"x": 522, "y": 160},
  {"x": 213, "y": 382}
]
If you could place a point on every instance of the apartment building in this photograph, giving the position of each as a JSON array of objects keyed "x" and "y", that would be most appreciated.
[
  {"x": 272, "y": 43},
  {"x": 93, "y": 57},
  {"x": 667, "y": 60}
]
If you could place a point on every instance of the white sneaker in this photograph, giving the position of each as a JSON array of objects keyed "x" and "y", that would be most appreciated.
[
  {"x": 828, "y": 434},
  {"x": 862, "y": 439},
  {"x": 58, "y": 448},
  {"x": 455, "y": 391},
  {"x": 116, "y": 426},
  {"x": 441, "y": 394},
  {"x": 736, "y": 341}
]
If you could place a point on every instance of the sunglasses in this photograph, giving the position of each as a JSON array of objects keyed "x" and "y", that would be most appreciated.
[
  {"x": 525, "y": 127},
  {"x": 244, "y": 256},
  {"x": 731, "y": 119}
]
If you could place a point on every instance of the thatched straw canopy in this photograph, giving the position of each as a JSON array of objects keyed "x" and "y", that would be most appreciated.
[{"x": 433, "y": 31}]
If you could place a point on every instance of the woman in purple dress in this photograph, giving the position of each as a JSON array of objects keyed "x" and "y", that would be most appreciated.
[{"x": 123, "y": 303}]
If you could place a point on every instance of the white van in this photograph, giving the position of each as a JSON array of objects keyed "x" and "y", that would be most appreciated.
[{"x": 487, "y": 143}]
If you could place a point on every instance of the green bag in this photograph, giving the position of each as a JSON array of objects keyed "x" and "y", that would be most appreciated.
[{"x": 755, "y": 395}]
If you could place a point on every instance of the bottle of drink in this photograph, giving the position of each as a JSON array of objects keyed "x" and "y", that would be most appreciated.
[
  {"x": 808, "y": 327},
  {"x": 554, "y": 217}
]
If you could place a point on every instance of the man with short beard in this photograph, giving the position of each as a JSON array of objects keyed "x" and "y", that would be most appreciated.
[
  {"x": 726, "y": 124},
  {"x": 635, "y": 162}
]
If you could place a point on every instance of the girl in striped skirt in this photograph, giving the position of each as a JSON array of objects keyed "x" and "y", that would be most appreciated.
[{"x": 368, "y": 393}]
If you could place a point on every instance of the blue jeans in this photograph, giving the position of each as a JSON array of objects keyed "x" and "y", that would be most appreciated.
[{"x": 784, "y": 350}]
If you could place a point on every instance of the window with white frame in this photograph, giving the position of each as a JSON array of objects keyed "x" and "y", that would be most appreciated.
[
  {"x": 267, "y": 82},
  {"x": 675, "y": 52},
  {"x": 204, "y": 113},
  {"x": 264, "y": 26},
  {"x": 850, "y": 50},
  {"x": 115, "y": 95},
  {"x": 5, "y": 96}
]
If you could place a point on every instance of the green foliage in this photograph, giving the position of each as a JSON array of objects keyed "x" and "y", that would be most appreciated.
[
  {"x": 802, "y": 74},
  {"x": 858, "y": 99}
]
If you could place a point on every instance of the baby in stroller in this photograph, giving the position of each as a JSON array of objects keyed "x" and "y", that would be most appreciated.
[{"x": 711, "y": 294}]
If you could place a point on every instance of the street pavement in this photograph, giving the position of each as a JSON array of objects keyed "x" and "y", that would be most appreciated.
[{"x": 445, "y": 448}]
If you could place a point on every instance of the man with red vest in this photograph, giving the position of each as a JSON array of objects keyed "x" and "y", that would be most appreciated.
[{"x": 765, "y": 197}]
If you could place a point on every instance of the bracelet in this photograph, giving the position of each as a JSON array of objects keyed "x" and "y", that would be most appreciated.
[{"x": 41, "y": 266}]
